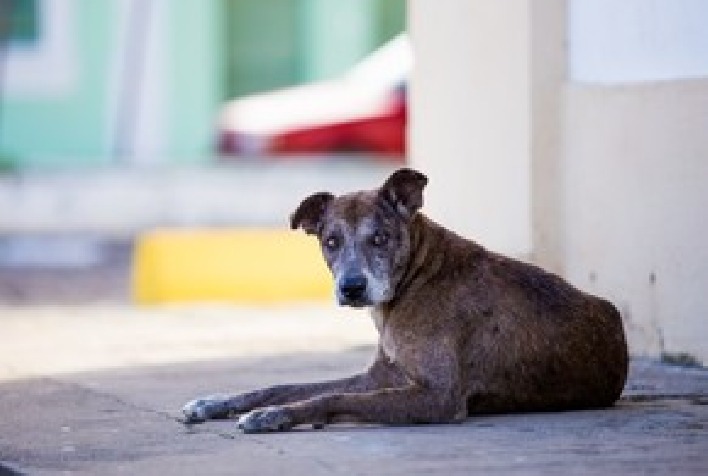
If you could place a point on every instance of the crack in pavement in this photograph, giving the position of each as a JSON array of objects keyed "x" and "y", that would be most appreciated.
[
  {"x": 112, "y": 397},
  {"x": 190, "y": 428}
]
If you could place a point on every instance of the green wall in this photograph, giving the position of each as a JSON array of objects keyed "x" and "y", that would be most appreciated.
[
  {"x": 215, "y": 50},
  {"x": 335, "y": 35},
  {"x": 70, "y": 129},
  {"x": 263, "y": 49},
  {"x": 389, "y": 19},
  {"x": 277, "y": 43},
  {"x": 78, "y": 128},
  {"x": 196, "y": 78}
]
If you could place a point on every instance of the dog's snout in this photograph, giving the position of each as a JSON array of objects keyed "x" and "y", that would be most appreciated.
[{"x": 353, "y": 288}]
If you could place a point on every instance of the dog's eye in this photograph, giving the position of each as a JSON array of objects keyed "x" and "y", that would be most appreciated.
[
  {"x": 332, "y": 243},
  {"x": 379, "y": 238}
]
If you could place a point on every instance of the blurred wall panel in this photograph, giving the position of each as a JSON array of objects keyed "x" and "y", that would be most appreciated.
[
  {"x": 55, "y": 88},
  {"x": 128, "y": 82},
  {"x": 263, "y": 45},
  {"x": 277, "y": 43}
]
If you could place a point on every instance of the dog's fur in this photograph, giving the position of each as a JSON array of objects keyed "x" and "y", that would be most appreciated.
[{"x": 462, "y": 330}]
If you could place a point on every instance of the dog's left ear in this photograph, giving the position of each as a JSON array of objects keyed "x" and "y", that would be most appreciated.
[
  {"x": 310, "y": 212},
  {"x": 404, "y": 191}
]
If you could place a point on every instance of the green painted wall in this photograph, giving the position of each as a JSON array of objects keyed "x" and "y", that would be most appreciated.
[
  {"x": 389, "y": 19},
  {"x": 263, "y": 48},
  {"x": 196, "y": 77},
  {"x": 70, "y": 129},
  {"x": 277, "y": 43},
  {"x": 215, "y": 50},
  {"x": 336, "y": 34},
  {"x": 77, "y": 129}
]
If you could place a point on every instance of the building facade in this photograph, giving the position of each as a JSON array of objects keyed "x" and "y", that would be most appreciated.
[{"x": 113, "y": 82}]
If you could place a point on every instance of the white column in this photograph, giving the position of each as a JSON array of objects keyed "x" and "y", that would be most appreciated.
[{"x": 471, "y": 117}]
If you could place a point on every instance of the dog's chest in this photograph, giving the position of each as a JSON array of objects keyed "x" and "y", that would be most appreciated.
[{"x": 387, "y": 335}]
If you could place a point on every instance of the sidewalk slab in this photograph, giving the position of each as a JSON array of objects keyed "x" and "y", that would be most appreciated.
[{"x": 109, "y": 413}]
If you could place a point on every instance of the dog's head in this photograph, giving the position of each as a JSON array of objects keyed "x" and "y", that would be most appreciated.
[{"x": 365, "y": 236}]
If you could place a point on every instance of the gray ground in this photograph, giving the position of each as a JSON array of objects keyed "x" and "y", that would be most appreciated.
[{"x": 97, "y": 389}]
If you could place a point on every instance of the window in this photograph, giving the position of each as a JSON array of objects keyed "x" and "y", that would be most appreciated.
[
  {"x": 20, "y": 22},
  {"x": 42, "y": 36}
]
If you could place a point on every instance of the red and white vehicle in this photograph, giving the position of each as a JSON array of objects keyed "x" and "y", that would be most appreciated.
[{"x": 362, "y": 111}]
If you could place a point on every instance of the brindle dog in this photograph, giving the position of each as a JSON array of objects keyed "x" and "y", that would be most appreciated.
[{"x": 463, "y": 331}]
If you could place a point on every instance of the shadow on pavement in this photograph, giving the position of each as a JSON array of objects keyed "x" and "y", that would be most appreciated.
[{"x": 124, "y": 421}]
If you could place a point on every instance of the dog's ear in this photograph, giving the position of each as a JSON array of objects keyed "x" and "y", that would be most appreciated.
[
  {"x": 404, "y": 191},
  {"x": 308, "y": 215}
]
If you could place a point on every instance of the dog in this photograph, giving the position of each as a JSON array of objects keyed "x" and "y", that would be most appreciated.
[{"x": 462, "y": 330}]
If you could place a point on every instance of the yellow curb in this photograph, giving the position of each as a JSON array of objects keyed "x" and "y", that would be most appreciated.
[{"x": 242, "y": 266}]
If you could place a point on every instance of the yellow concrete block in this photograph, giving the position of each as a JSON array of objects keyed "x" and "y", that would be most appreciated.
[{"x": 249, "y": 266}]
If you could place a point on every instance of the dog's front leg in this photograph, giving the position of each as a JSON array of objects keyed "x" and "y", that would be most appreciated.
[
  {"x": 380, "y": 374},
  {"x": 431, "y": 393},
  {"x": 406, "y": 405},
  {"x": 221, "y": 406}
]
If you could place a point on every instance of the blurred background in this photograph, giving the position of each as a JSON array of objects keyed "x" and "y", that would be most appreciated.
[
  {"x": 120, "y": 116},
  {"x": 570, "y": 133},
  {"x": 133, "y": 83}
]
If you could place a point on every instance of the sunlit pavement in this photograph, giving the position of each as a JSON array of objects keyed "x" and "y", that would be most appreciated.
[{"x": 97, "y": 390}]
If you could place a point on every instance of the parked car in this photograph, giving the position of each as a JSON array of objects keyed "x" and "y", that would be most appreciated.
[{"x": 362, "y": 111}]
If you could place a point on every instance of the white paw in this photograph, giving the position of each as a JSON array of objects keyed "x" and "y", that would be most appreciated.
[
  {"x": 203, "y": 409},
  {"x": 265, "y": 419}
]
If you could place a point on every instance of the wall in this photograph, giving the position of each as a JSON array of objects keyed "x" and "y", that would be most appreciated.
[
  {"x": 635, "y": 195},
  {"x": 470, "y": 129},
  {"x": 548, "y": 74},
  {"x": 614, "y": 42},
  {"x": 597, "y": 128},
  {"x": 279, "y": 43},
  {"x": 195, "y": 46},
  {"x": 335, "y": 35},
  {"x": 67, "y": 117},
  {"x": 141, "y": 82},
  {"x": 164, "y": 106},
  {"x": 635, "y": 168}
]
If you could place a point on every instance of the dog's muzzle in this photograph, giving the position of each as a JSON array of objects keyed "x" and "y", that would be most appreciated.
[{"x": 351, "y": 291}]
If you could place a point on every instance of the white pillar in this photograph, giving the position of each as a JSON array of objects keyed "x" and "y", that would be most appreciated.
[{"x": 471, "y": 117}]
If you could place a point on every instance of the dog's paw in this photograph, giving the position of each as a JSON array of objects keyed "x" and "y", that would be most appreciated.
[
  {"x": 265, "y": 420},
  {"x": 206, "y": 408}
]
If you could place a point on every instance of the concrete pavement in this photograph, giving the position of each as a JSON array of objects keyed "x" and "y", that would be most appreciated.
[{"x": 97, "y": 390}]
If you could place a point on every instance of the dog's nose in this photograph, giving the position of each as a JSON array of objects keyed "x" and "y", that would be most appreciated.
[{"x": 353, "y": 288}]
